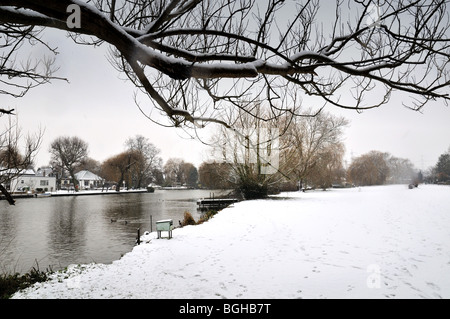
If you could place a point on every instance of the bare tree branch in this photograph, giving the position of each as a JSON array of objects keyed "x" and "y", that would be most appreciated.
[
  {"x": 10, "y": 112},
  {"x": 234, "y": 50},
  {"x": 13, "y": 161}
]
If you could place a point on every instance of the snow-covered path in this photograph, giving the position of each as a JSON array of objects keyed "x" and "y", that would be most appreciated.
[{"x": 371, "y": 242}]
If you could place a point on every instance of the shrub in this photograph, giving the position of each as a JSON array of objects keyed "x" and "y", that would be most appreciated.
[
  {"x": 11, "y": 283},
  {"x": 253, "y": 190},
  {"x": 188, "y": 219},
  {"x": 206, "y": 216}
]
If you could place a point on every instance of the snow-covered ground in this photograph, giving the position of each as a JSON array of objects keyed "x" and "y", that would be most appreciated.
[{"x": 370, "y": 242}]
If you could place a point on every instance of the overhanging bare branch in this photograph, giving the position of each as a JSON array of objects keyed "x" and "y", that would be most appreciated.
[{"x": 238, "y": 51}]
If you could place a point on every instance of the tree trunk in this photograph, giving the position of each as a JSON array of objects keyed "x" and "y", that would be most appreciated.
[
  {"x": 120, "y": 182},
  {"x": 74, "y": 180},
  {"x": 8, "y": 196}
]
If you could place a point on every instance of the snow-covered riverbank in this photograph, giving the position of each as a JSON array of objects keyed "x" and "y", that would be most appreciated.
[{"x": 370, "y": 242}]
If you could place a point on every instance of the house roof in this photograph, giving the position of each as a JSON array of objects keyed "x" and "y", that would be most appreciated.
[
  {"x": 87, "y": 175},
  {"x": 45, "y": 171},
  {"x": 15, "y": 171}
]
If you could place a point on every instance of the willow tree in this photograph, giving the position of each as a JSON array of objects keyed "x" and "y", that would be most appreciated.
[
  {"x": 280, "y": 152},
  {"x": 314, "y": 148},
  {"x": 15, "y": 159},
  {"x": 119, "y": 168},
  {"x": 252, "y": 151}
]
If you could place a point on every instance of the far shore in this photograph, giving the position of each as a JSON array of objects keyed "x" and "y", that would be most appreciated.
[{"x": 61, "y": 193}]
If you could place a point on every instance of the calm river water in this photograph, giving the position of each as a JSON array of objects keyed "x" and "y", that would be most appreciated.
[{"x": 59, "y": 231}]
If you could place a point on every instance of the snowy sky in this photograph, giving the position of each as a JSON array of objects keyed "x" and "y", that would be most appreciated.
[{"x": 97, "y": 106}]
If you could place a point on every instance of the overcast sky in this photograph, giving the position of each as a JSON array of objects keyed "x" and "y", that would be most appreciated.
[{"x": 97, "y": 106}]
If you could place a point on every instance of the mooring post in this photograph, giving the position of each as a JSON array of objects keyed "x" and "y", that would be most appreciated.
[
  {"x": 151, "y": 223},
  {"x": 138, "y": 239}
]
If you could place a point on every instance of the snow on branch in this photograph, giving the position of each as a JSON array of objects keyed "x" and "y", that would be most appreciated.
[{"x": 237, "y": 52}]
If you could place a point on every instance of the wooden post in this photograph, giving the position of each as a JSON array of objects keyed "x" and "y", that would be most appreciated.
[
  {"x": 151, "y": 223},
  {"x": 138, "y": 239}
]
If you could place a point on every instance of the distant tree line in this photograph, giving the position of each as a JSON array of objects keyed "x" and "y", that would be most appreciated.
[
  {"x": 378, "y": 168},
  {"x": 178, "y": 173},
  {"x": 136, "y": 167},
  {"x": 310, "y": 154},
  {"x": 440, "y": 173},
  {"x": 372, "y": 168}
]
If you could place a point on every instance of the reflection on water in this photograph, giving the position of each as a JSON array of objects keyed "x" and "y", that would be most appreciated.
[{"x": 59, "y": 231}]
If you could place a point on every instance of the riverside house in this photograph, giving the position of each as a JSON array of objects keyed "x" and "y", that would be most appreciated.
[
  {"x": 30, "y": 181},
  {"x": 86, "y": 180}
]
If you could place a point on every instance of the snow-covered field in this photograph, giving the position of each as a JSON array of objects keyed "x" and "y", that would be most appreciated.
[{"x": 370, "y": 242}]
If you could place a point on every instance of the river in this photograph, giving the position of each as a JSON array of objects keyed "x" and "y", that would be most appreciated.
[{"x": 55, "y": 232}]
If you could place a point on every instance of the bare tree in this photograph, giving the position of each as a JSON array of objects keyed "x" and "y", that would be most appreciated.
[
  {"x": 118, "y": 168},
  {"x": 377, "y": 168},
  {"x": 401, "y": 170},
  {"x": 313, "y": 144},
  {"x": 442, "y": 168},
  {"x": 369, "y": 169},
  {"x": 13, "y": 162},
  {"x": 269, "y": 155},
  {"x": 197, "y": 58},
  {"x": 252, "y": 150},
  {"x": 19, "y": 74},
  {"x": 329, "y": 168},
  {"x": 173, "y": 172},
  {"x": 214, "y": 175},
  {"x": 91, "y": 165},
  {"x": 150, "y": 159},
  {"x": 190, "y": 174},
  {"x": 69, "y": 153}
]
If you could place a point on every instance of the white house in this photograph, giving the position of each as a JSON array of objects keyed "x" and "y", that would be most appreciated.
[
  {"x": 88, "y": 180},
  {"x": 28, "y": 180}
]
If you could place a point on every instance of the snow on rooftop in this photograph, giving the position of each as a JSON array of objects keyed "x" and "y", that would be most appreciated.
[
  {"x": 369, "y": 242},
  {"x": 87, "y": 175},
  {"x": 16, "y": 171}
]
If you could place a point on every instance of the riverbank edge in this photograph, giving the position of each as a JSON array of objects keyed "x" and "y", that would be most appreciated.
[
  {"x": 81, "y": 193},
  {"x": 99, "y": 193},
  {"x": 15, "y": 282}
]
